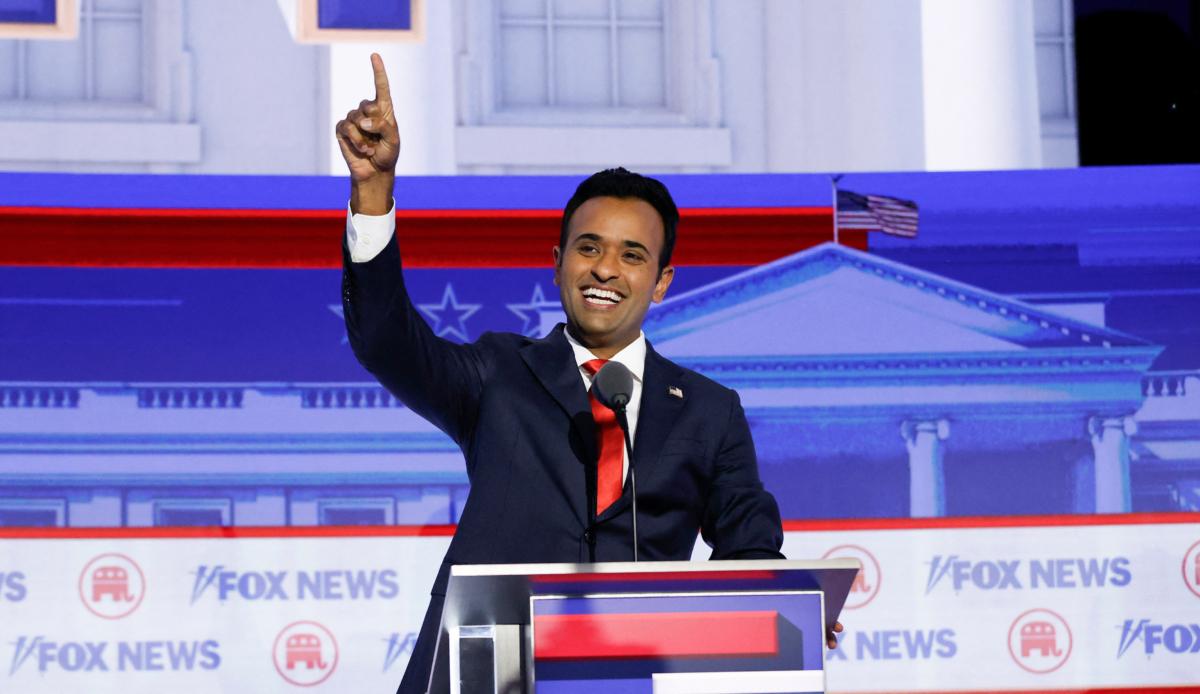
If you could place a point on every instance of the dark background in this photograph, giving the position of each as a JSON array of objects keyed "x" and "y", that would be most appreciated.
[{"x": 1138, "y": 70}]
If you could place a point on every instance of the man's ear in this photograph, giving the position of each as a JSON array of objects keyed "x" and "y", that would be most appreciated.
[
  {"x": 665, "y": 276},
  {"x": 557, "y": 263}
]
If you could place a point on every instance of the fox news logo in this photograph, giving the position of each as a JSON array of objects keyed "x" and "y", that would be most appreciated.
[
  {"x": 1040, "y": 641},
  {"x": 397, "y": 645},
  {"x": 12, "y": 586},
  {"x": 305, "y": 653},
  {"x": 1017, "y": 574},
  {"x": 866, "y": 581},
  {"x": 45, "y": 655},
  {"x": 1191, "y": 569},
  {"x": 1174, "y": 638},
  {"x": 228, "y": 584},
  {"x": 897, "y": 644},
  {"x": 112, "y": 586}
]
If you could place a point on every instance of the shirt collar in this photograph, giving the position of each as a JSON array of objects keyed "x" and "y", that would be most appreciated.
[{"x": 633, "y": 357}]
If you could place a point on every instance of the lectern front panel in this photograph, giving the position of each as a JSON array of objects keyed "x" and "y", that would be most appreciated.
[
  {"x": 684, "y": 643},
  {"x": 709, "y": 646}
]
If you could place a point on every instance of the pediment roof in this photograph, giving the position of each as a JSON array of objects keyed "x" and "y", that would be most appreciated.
[{"x": 834, "y": 300}]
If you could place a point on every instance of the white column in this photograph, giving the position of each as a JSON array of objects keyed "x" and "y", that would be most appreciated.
[
  {"x": 421, "y": 74},
  {"x": 980, "y": 85},
  {"x": 841, "y": 85},
  {"x": 1110, "y": 449},
  {"x": 926, "y": 482},
  {"x": 784, "y": 95}
]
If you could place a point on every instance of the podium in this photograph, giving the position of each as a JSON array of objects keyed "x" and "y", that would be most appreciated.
[{"x": 678, "y": 627}]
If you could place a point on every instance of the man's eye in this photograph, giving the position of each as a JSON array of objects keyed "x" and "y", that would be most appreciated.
[
  {"x": 634, "y": 257},
  {"x": 587, "y": 248}
]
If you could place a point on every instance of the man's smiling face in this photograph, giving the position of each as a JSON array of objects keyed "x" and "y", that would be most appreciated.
[{"x": 607, "y": 273}]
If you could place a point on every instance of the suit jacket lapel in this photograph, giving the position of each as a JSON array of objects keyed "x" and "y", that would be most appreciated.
[
  {"x": 656, "y": 417},
  {"x": 553, "y": 363}
]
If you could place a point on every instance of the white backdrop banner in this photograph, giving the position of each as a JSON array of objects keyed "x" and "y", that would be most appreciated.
[
  {"x": 212, "y": 615},
  {"x": 1018, "y": 607}
]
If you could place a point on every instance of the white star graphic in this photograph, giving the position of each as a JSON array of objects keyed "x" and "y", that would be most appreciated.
[
  {"x": 454, "y": 323},
  {"x": 539, "y": 314}
]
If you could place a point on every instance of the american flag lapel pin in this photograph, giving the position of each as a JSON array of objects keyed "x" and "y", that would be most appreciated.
[{"x": 675, "y": 391}]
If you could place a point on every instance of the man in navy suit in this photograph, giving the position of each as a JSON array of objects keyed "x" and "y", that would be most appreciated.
[{"x": 545, "y": 485}]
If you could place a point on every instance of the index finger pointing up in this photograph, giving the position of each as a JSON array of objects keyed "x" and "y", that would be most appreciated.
[{"x": 383, "y": 93}]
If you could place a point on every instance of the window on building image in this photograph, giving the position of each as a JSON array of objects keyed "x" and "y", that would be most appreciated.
[
  {"x": 572, "y": 63},
  {"x": 581, "y": 54},
  {"x": 127, "y": 70},
  {"x": 1054, "y": 50},
  {"x": 356, "y": 511},
  {"x": 533, "y": 72},
  {"x": 193, "y": 512},
  {"x": 33, "y": 513},
  {"x": 106, "y": 63}
]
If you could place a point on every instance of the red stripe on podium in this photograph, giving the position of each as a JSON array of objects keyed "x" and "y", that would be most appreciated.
[{"x": 655, "y": 635}]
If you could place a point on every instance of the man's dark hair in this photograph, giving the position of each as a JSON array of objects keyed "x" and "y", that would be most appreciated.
[{"x": 619, "y": 183}]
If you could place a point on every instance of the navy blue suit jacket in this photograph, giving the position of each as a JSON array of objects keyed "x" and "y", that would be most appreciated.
[{"x": 518, "y": 409}]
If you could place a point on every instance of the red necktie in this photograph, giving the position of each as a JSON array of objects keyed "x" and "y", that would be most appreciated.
[{"x": 611, "y": 443}]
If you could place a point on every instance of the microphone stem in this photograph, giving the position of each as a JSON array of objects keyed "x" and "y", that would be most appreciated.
[{"x": 623, "y": 421}]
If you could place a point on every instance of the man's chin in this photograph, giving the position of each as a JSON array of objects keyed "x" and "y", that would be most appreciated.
[
  {"x": 601, "y": 337},
  {"x": 592, "y": 334}
]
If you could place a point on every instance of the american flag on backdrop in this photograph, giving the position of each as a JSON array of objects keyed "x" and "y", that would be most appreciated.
[{"x": 876, "y": 213}]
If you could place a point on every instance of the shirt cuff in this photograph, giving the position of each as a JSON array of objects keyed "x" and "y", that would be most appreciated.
[{"x": 367, "y": 235}]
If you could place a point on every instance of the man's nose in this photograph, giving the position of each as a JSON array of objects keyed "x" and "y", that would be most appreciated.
[{"x": 606, "y": 267}]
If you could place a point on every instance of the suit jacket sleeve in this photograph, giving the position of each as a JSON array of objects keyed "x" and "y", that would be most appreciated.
[
  {"x": 741, "y": 519},
  {"x": 437, "y": 379}
]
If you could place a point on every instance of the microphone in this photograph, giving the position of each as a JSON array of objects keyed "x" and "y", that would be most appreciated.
[{"x": 613, "y": 386}]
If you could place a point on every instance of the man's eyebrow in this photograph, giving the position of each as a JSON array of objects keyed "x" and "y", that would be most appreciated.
[{"x": 586, "y": 236}]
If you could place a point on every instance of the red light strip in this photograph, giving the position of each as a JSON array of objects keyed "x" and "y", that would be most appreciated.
[
  {"x": 311, "y": 239},
  {"x": 448, "y": 530},
  {"x": 226, "y": 533}
]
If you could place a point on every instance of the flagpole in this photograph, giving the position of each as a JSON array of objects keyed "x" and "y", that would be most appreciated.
[{"x": 833, "y": 181}]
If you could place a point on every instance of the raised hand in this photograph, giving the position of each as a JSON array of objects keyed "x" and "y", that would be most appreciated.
[{"x": 370, "y": 144}]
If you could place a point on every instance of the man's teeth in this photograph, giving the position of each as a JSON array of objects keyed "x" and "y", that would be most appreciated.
[{"x": 599, "y": 296}]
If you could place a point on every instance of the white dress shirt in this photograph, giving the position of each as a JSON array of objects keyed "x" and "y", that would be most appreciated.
[
  {"x": 366, "y": 235},
  {"x": 633, "y": 357}
]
